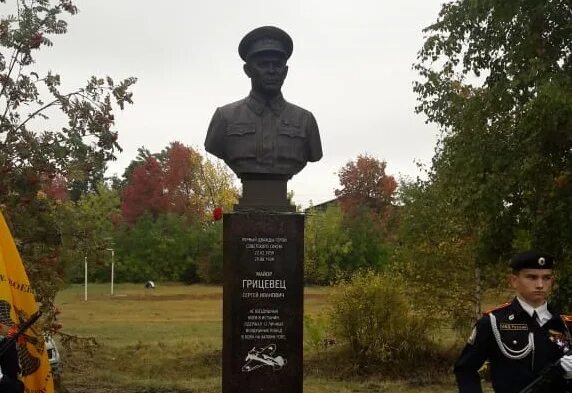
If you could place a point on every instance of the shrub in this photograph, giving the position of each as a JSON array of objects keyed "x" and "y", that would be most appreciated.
[
  {"x": 316, "y": 334},
  {"x": 370, "y": 313}
]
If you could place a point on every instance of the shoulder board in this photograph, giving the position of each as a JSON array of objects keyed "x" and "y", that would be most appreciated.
[
  {"x": 566, "y": 318},
  {"x": 497, "y": 308}
]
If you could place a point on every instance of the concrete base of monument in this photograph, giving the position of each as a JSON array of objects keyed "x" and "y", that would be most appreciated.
[
  {"x": 264, "y": 192},
  {"x": 263, "y": 296}
]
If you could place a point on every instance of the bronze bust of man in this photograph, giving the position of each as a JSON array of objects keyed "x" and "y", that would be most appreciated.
[{"x": 263, "y": 137}]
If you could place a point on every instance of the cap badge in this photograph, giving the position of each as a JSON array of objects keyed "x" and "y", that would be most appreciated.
[{"x": 541, "y": 261}]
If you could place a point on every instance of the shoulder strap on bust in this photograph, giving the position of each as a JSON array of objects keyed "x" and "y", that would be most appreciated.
[{"x": 504, "y": 305}]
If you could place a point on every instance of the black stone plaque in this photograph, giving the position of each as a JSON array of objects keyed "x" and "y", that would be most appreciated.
[{"x": 263, "y": 302}]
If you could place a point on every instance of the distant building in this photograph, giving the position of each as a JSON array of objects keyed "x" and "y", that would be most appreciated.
[{"x": 321, "y": 206}]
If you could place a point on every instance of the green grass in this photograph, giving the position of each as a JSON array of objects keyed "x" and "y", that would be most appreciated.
[{"x": 169, "y": 339}]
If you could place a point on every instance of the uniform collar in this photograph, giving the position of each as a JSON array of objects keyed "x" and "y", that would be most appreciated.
[
  {"x": 257, "y": 103},
  {"x": 542, "y": 311}
]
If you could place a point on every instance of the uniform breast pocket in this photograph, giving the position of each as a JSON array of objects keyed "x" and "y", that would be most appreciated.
[
  {"x": 291, "y": 142},
  {"x": 515, "y": 341},
  {"x": 241, "y": 141}
]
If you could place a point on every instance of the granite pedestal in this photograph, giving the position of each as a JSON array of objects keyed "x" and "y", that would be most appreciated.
[{"x": 263, "y": 302}]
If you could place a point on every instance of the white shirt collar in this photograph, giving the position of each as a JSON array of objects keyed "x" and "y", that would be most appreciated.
[{"x": 542, "y": 311}]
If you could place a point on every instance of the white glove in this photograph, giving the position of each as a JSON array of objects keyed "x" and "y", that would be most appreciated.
[{"x": 566, "y": 364}]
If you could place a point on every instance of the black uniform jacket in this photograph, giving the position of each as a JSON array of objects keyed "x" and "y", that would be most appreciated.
[
  {"x": 9, "y": 382},
  {"x": 517, "y": 350}
]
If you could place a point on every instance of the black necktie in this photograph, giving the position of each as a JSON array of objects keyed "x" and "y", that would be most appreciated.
[{"x": 535, "y": 317}]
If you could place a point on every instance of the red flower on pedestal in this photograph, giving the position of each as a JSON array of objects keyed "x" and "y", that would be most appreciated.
[{"x": 217, "y": 213}]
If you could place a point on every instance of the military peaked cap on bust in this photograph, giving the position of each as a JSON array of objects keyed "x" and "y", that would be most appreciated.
[
  {"x": 264, "y": 39},
  {"x": 532, "y": 259}
]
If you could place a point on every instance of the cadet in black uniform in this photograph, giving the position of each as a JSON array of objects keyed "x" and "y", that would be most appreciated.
[{"x": 520, "y": 338}]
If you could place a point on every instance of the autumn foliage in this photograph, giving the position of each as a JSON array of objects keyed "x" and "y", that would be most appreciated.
[
  {"x": 177, "y": 180},
  {"x": 145, "y": 192},
  {"x": 364, "y": 182},
  {"x": 56, "y": 188},
  {"x": 359, "y": 231},
  {"x": 183, "y": 180}
]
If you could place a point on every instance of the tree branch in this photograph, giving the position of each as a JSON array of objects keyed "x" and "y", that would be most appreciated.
[
  {"x": 31, "y": 116},
  {"x": 10, "y": 69},
  {"x": 12, "y": 62}
]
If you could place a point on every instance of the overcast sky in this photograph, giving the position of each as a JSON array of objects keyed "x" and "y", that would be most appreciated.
[{"x": 351, "y": 67}]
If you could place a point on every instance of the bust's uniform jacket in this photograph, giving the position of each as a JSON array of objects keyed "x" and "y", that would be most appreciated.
[
  {"x": 255, "y": 136},
  {"x": 518, "y": 349}
]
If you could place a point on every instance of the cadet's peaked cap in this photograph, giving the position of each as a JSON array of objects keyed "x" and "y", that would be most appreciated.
[
  {"x": 532, "y": 259},
  {"x": 263, "y": 39}
]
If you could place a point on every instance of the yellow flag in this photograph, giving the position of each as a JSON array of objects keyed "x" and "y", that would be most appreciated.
[{"x": 17, "y": 304}]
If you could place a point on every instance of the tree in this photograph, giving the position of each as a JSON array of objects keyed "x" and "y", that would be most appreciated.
[
  {"x": 155, "y": 248},
  {"x": 145, "y": 192},
  {"x": 496, "y": 77},
  {"x": 176, "y": 180},
  {"x": 142, "y": 155},
  {"x": 218, "y": 186},
  {"x": 169, "y": 247},
  {"x": 367, "y": 200},
  {"x": 196, "y": 185},
  {"x": 182, "y": 172},
  {"x": 88, "y": 230},
  {"x": 326, "y": 245},
  {"x": 33, "y": 155},
  {"x": 167, "y": 207},
  {"x": 356, "y": 232},
  {"x": 365, "y": 183},
  {"x": 436, "y": 256}
]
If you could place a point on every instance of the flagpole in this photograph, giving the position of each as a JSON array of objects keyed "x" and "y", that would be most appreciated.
[
  {"x": 112, "y": 267},
  {"x": 85, "y": 286}
]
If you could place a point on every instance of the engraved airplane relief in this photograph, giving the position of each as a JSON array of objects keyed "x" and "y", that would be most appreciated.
[{"x": 257, "y": 358}]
